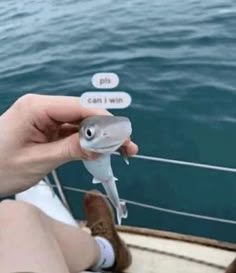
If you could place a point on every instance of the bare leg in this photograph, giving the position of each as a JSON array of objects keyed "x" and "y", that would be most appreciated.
[
  {"x": 78, "y": 247},
  {"x": 31, "y": 241},
  {"x": 26, "y": 243}
]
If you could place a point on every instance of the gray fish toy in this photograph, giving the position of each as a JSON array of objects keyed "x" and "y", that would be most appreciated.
[{"x": 104, "y": 135}]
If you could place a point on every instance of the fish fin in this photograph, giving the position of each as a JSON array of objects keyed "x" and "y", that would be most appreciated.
[
  {"x": 124, "y": 209},
  {"x": 123, "y": 154},
  {"x": 126, "y": 160},
  {"x": 110, "y": 179},
  {"x": 96, "y": 181},
  {"x": 122, "y": 212}
]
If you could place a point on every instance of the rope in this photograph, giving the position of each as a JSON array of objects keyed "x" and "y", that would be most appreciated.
[
  {"x": 176, "y": 212},
  {"x": 184, "y": 163}
]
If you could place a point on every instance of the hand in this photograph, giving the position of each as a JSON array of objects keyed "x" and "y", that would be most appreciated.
[{"x": 39, "y": 133}]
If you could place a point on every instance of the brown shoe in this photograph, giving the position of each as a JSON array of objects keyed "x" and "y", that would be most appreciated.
[{"x": 99, "y": 215}]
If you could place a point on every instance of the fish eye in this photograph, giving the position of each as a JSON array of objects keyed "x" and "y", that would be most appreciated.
[{"x": 89, "y": 132}]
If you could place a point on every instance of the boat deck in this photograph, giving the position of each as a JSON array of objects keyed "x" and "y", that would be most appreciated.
[{"x": 161, "y": 252}]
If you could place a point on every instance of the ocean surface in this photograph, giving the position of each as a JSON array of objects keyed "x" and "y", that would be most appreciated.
[{"x": 177, "y": 59}]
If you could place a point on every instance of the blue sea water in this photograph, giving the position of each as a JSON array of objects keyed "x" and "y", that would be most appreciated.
[{"x": 177, "y": 59}]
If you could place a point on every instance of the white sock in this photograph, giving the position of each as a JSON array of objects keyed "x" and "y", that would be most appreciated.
[{"x": 107, "y": 254}]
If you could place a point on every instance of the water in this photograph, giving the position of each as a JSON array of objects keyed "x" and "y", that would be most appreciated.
[{"x": 176, "y": 58}]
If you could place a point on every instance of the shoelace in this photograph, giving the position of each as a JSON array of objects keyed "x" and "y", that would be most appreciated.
[{"x": 101, "y": 228}]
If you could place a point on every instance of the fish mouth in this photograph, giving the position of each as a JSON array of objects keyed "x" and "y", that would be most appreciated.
[{"x": 110, "y": 146}]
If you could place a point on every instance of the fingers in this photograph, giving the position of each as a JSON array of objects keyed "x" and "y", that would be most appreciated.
[
  {"x": 63, "y": 150},
  {"x": 68, "y": 149},
  {"x": 67, "y": 109},
  {"x": 60, "y": 109},
  {"x": 71, "y": 150},
  {"x": 129, "y": 148}
]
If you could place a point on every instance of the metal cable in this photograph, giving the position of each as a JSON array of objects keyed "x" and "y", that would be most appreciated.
[
  {"x": 184, "y": 163},
  {"x": 153, "y": 207},
  {"x": 60, "y": 190}
]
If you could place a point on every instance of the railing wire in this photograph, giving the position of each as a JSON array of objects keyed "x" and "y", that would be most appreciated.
[{"x": 153, "y": 207}]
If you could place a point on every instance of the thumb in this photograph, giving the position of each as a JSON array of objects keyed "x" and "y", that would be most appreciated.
[
  {"x": 71, "y": 149},
  {"x": 65, "y": 150}
]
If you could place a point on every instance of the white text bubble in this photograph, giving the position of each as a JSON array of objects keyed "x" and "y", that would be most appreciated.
[
  {"x": 105, "y": 80},
  {"x": 107, "y": 100}
]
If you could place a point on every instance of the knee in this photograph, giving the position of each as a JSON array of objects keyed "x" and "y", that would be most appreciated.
[{"x": 11, "y": 210}]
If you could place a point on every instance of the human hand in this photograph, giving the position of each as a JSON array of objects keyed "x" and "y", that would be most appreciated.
[{"x": 39, "y": 133}]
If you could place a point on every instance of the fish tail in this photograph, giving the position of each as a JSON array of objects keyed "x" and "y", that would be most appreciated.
[{"x": 122, "y": 212}]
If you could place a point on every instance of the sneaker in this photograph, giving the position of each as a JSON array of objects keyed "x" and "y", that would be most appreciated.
[{"x": 100, "y": 220}]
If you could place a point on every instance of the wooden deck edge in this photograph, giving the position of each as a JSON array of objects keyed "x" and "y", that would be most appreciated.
[{"x": 177, "y": 237}]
